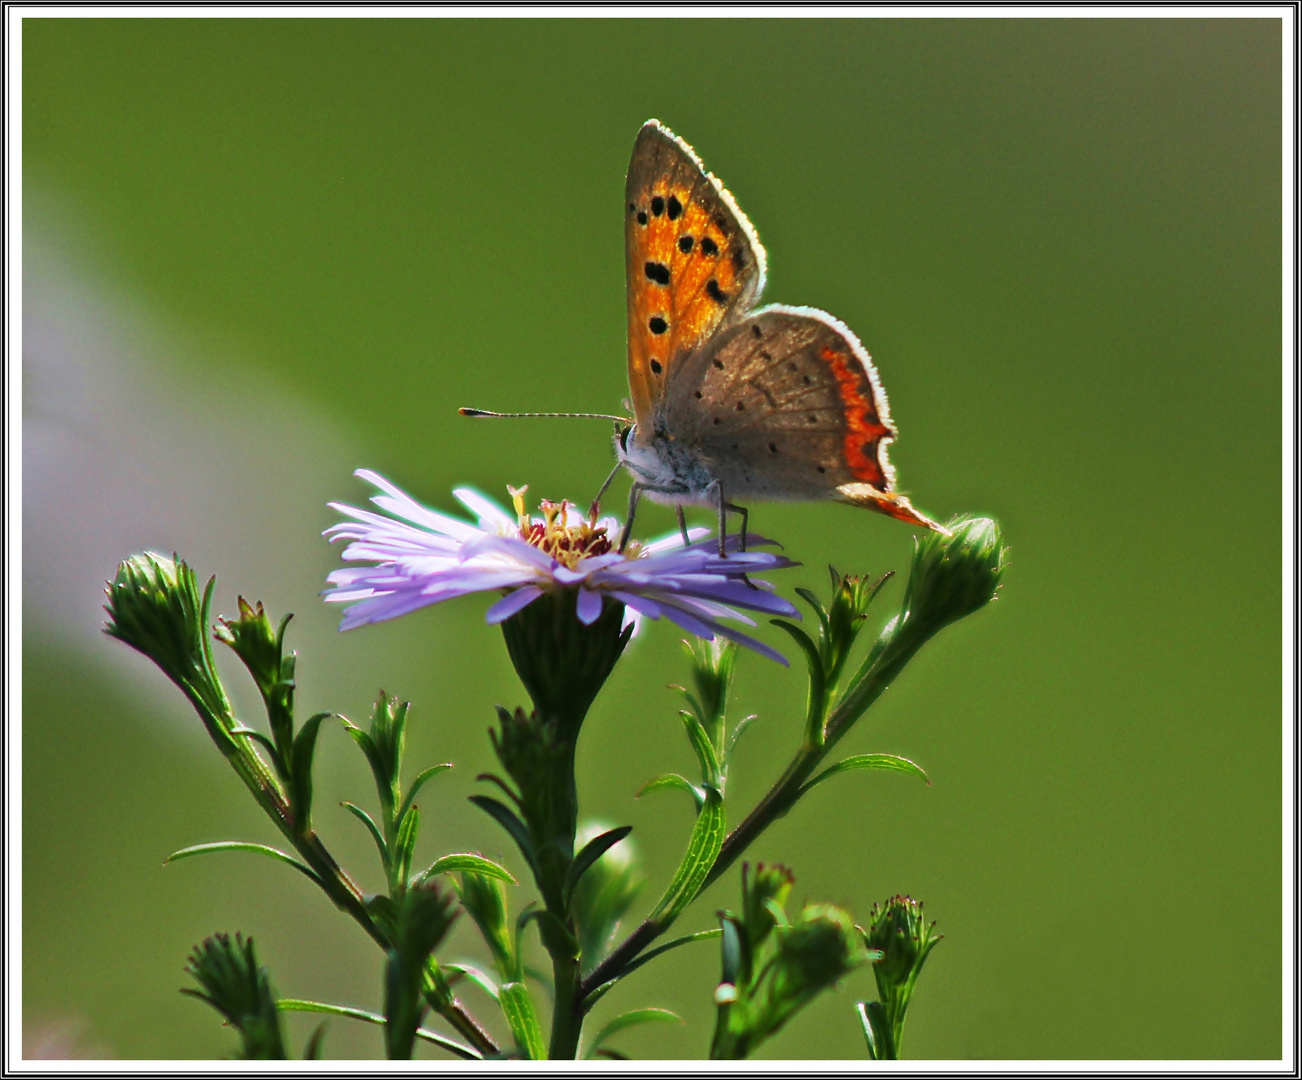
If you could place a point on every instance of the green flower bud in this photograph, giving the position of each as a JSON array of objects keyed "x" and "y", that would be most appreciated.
[
  {"x": 605, "y": 892},
  {"x": 763, "y": 894},
  {"x": 773, "y": 967},
  {"x": 955, "y": 575},
  {"x": 231, "y": 981},
  {"x": 898, "y": 932},
  {"x": 260, "y": 647},
  {"x": 712, "y": 667},
  {"x": 155, "y": 607}
]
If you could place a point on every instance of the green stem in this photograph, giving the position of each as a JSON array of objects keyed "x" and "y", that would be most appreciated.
[
  {"x": 889, "y": 661},
  {"x": 567, "y": 1018}
]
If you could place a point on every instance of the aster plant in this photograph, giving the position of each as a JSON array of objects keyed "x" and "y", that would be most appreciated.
[{"x": 568, "y": 600}]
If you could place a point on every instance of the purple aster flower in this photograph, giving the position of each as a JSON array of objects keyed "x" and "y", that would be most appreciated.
[{"x": 421, "y": 557}]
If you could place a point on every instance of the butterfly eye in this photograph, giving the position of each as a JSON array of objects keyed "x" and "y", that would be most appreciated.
[{"x": 623, "y": 437}]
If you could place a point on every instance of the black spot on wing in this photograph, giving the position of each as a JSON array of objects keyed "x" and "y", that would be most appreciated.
[
  {"x": 655, "y": 366},
  {"x": 657, "y": 324},
  {"x": 709, "y": 247},
  {"x": 657, "y": 206},
  {"x": 716, "y": 293},
  {"x": 641, "y": 217},
  {"x": 675, "y": 208},
  {"x": 685, "y": 244},
  {"x": 657, "y": 272}
]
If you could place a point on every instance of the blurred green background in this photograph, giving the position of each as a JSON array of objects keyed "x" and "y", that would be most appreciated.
[{"x": 261, "y": 253}]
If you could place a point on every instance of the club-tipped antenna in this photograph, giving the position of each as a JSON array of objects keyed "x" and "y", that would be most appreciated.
[{"x": 486, "y": 414}]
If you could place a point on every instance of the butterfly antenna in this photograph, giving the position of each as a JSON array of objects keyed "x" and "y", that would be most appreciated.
[{"x": 486, "y": 414}]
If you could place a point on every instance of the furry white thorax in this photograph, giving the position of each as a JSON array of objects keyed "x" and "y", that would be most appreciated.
[{"x": 666, "y": 471}]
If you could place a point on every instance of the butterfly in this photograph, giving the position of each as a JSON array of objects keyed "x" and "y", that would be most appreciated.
[{"x": 730, "y": 400}]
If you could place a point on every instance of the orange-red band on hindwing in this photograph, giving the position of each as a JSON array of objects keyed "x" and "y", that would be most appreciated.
[{"x": 863, "y": 428}]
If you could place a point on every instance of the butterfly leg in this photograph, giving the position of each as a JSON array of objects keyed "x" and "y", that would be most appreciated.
[
  {"x": 682, "y": 526},
  {"x": 716, "y": 489},
  {"x": 596, "y": 503},
  {"x": 745, "y": 520},
  {"x": 634, "y": 493}
]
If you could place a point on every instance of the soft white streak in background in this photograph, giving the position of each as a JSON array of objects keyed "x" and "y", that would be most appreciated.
[{"x": 126, "y": 448}]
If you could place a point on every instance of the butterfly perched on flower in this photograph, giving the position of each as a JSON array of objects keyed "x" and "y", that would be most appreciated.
[{"x": 730, "y": 400}]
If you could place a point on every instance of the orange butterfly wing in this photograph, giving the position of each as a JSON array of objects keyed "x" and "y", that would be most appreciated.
[{"x": 694, "y": 263}]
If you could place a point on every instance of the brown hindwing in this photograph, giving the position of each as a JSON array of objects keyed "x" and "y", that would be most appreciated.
[{"x": 787, "y": 404}]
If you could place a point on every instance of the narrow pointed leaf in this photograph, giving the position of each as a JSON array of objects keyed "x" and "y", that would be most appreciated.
[
  {"x": 518, "y": 1009},
  {"x": 312, "y": 1051},
  {"x": 705, "y": 753},
  {"x": 372, "y": 752},
  {"x": 450, "y": 1045},
  {"x": 630, "y": 1019},
  {"x": 476, "y": 863},
  {"x": 702, "y": 850},
  {"x": 876, "y": 1031},
  {"x": 599, "y": 992},
  {"x": 239, "y": 845},
  {"x": 504, "y": 816},
  {"x": 480, "y": 978},
  {"x": 593, "y": 850},
  {"x": 817, "y": 703},
  {"x": 300, "y": 768},
  {"x": 419, "y": 783},
  {"x": 673, "y": 780},
  {"x": 868, "y": 761},
  {"x": 372, "y": 828},
  {"x": 816, "y": 606},
  {"x": 405, "y": 842}
]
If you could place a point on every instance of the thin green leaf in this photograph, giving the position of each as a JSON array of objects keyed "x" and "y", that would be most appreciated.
[
  {"x": 300, "y": 769},
  {"x": 312, "y": 1051},
  {"x": 481, "y": 979},
  {"x": 240, "y": 845},
  {"x": 876, "y": 1031},
  {"x": 518, "y": 1009},
  {"x": 405, "y": 842},
  {"x": 628, "y": 1020},
  {"x": 419, "y": 783},
  {"x": 460, "y": 861},
  {"x": 373, "y": 828},
  {"x": 702, "y": 850},
  {"x": 817, "y": 702},
  {"x": 704, "y": 747},
  {"x": 867, "y": 761},
  {"x": 372, "y": 752},
  {"x": 816, "y": 606},
  {"x": 673, "y": 780},
  {"x": 691, "y": 700},
  {"x": 593, "y": 850},
  {"x": 503, "y": 815},
  {"x": 297, "y": 1005},
  {"x": 600, "y": 991},
  {"x": 733, "y": 739},
  {"x": 260, "y": 739}
]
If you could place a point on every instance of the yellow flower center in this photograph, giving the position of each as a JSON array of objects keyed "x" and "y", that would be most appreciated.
[{"x": 565, "y": 543}]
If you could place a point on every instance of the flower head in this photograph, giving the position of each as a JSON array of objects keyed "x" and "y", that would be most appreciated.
[{"x": 421, "y": 557}]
